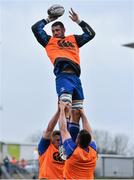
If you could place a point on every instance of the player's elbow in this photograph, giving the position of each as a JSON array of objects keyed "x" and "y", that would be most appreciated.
[
  {"x": 92, "y": 35},
  {"x": 33, "y": 28}
]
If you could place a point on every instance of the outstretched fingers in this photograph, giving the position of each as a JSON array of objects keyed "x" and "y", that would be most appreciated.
[
  {"x": 71, "y": 12},
  {"x": 73, "y": 15}
]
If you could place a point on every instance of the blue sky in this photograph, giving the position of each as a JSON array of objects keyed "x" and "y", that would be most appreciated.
[{"x": 27, "y": 83}]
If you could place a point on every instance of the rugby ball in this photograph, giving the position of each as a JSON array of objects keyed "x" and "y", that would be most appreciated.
[{"x": 56, "y": 10}]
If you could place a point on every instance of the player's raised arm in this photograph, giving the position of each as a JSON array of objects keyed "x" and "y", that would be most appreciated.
[
  {"x": 38, "y": 29},
  {"x": 51, "y": 125},
  {"x": 85, "y": 122},
  {"x": 88, "y": 34}
]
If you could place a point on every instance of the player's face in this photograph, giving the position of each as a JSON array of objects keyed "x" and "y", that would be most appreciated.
[
  {"x": 56, "y": 141},
  {"x": 58, "y": 32}
]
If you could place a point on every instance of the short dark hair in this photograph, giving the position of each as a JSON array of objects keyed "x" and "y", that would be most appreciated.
[
  {"x": 84, "y": 138},
  {"x": 55, "y": 132},
  {"x": 58, "y": 23}
]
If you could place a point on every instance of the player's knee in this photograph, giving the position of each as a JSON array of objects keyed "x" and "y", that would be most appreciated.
[
  {"x": 77, "y": 105},
  {"x": 66, "y": 97}
]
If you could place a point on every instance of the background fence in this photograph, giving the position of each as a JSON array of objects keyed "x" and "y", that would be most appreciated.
[{"x": 114, "y": 166}]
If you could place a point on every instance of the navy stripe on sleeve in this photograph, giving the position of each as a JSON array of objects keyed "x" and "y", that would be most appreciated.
[
  {"x": 43, "y": 145},
  {"x": 86, "y": 36},
  {"x": 93, "y": 145},
  {"x": 69, "y": 146},
  {"x": 41, "y": 36}
]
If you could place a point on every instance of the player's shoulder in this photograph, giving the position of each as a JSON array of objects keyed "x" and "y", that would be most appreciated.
[{"x": 93, "y": 145}]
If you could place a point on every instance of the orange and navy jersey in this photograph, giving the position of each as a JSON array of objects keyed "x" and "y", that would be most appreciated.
[
  {"x": 50, "y": 163},
  {"x": 63, "y": 59},
  {"x": 81, "y": 163},
  {"x": 63, "y": 48}
]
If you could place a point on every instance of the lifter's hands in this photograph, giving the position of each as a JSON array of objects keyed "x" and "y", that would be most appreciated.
[
  {"x": 74, "y": 16},
  {"x": 63, "y": 105}
]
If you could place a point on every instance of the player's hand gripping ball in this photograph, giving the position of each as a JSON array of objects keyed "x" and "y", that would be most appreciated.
[{"x": 55, "y": 11}]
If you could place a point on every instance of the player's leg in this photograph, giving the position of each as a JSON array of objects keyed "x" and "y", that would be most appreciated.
[
  {"x": 64, "y": 88},
  {"x": 73, "y": 124},
  {"x": 74, "y": 129},
  {"x": 75, "y": 114},
  {"x": 69, "y": 89},
  {"x": 77, "y": 102}
]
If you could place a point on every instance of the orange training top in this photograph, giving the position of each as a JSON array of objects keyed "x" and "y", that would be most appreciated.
[
  {"x": 63, "y": 47},
  {"x": 81, "y": 164},
  {"x": 50, "y": 164}
]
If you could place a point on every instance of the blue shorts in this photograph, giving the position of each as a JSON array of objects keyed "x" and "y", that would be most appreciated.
[{"x": 71, "y": 84}]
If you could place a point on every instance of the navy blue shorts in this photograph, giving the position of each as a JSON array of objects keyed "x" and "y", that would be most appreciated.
[{"x": 71, "y": 84}]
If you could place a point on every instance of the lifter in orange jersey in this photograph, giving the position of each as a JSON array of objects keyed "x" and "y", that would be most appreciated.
[
  {"x": 81, "y": 155},
  {"x": 50, "y": 163}
]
